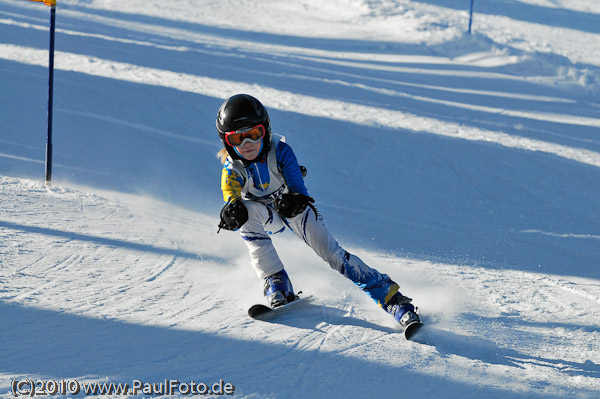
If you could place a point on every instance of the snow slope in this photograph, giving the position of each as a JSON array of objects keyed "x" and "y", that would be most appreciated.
[{"x": 465, "y": 166}]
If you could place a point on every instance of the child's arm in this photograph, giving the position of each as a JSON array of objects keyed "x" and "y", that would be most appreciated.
[
  {"x": 287, "y": 162},
  {"x": 231, "y": 183}
]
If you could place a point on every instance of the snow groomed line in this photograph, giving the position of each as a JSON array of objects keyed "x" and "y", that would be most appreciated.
[{"x": 292, "y": 102}]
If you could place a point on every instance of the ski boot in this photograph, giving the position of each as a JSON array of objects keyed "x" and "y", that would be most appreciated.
[
  {"x": 402, "y": 310},
  {"x": 278, "y": 289}
]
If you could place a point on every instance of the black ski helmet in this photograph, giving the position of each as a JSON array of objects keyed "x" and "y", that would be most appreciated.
[{"x": 243, "y": 111}]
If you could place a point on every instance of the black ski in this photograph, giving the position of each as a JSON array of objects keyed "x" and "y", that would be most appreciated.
[
  {"x": 260, "y": 311},
  {"x": 411, "y": 329},
  {"x": 263, "y": 312}
]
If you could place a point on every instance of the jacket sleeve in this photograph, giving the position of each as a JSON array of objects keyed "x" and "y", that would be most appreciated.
[
  {"x": 231, "y": 182},
  {"x": 288, "y": 164}
]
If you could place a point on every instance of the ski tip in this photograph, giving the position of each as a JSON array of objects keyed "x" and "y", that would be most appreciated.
[
  {"x": 412, "y": 329},
  {"x": 258, "y": 310}
]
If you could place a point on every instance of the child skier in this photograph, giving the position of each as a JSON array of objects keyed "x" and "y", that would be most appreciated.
[{"x": 264, "y": 191}]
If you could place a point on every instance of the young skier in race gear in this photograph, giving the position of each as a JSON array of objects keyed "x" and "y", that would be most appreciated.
[{"x": 264, "y": 191}]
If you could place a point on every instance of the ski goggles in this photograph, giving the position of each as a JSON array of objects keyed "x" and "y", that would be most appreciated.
[{"x": 236, "y": 138}]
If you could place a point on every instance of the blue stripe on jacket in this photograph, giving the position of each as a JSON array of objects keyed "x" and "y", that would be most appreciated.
[{"x": 287, "y": 162}]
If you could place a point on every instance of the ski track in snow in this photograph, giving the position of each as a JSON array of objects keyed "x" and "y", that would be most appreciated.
[
  {"x": 309, "y": 105},
  {"x": 105, "y": 286},
  {"x": 72, "y": 254},
  {"x": 287, "y": 101}
]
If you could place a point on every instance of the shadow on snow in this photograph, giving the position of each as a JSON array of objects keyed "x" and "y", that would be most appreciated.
[
  {"x": 64, "y": 346},
  {"x": 416, "y": 195}
]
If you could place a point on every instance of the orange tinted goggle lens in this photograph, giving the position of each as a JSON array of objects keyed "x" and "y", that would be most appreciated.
[{"x": 237, "y": 137}]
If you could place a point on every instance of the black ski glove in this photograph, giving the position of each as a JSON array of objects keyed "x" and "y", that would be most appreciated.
[
  {"x": 233, "y": 215},
  {"x": 290, "y": 205}
]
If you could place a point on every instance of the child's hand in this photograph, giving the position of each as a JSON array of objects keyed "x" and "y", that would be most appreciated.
[
  {"x": 233, "y": 215},
  {"x": 290, "y": 205}
]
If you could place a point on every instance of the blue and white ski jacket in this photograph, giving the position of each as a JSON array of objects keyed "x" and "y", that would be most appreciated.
[{"x": 265, "y": 180}]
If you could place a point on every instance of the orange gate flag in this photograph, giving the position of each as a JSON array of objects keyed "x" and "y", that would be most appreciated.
[{"x": 47, "y": 2}]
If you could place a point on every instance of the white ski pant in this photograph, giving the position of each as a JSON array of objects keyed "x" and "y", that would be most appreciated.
[{"x": 308, "y": 226}]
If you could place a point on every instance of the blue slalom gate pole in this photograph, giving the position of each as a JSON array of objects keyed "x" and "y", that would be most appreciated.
[
  {"x": 50, "y": 96},
  {"x": 471, "y": 16}
]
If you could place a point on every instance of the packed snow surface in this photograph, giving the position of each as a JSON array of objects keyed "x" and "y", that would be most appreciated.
[{"x": 465, "y": 166}]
